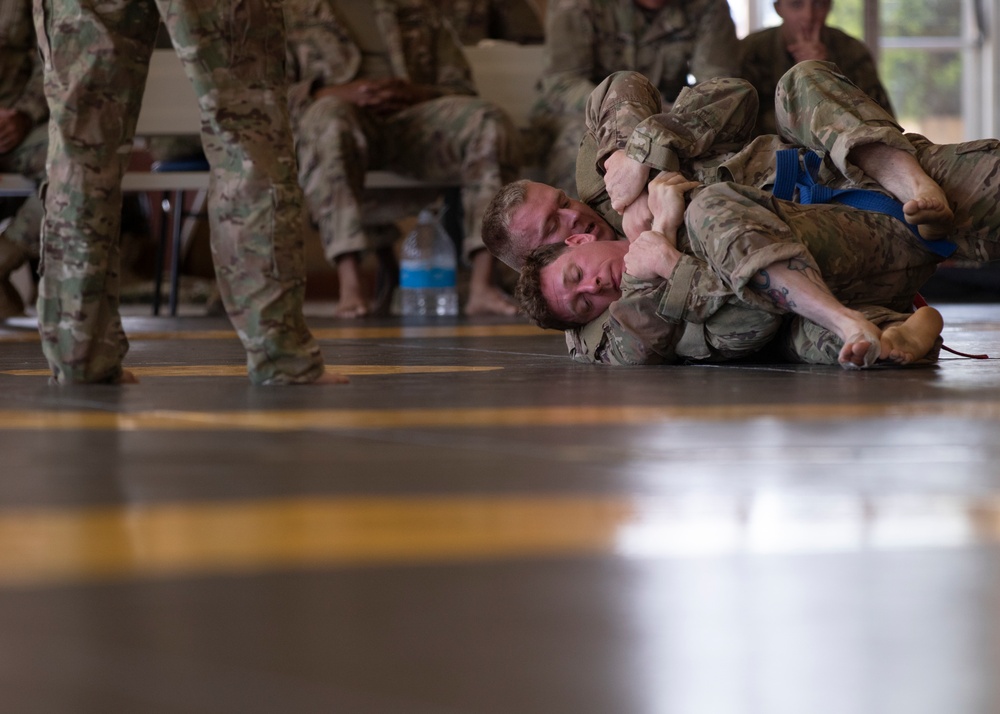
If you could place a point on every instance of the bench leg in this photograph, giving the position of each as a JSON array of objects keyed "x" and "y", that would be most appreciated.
[
  {"x": 175, "y": 263},
  {"x": 161, "y": 251}
]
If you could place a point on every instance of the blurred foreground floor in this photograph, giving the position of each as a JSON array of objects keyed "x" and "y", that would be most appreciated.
[{"x": 475, "y": 524}]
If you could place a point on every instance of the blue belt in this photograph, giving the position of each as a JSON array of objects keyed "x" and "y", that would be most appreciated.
[{"x": 791, "y": 175}]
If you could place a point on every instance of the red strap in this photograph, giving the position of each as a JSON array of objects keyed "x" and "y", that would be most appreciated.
[{"x": 946, "y": 348}]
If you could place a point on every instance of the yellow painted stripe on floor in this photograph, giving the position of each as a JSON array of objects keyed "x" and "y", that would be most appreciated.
[
  {"x": 337, "y": 419},
  {"x": 226, "y": 370},
  {"x": 330, "y": 333},
  {"x": 46, "y": 546}
]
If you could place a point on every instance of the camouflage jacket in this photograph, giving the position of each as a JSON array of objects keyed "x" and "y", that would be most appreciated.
[
  {"x": 321, "y": 51},
  {"x": 21, "y": 85},
  {"x": 765, "y": 59},
  {"x": 586, "y": 40}
]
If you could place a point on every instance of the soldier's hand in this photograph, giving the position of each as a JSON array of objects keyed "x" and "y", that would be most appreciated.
[
  {"x": 651, "y": 256},
  {"x": 808, "y": 46},
  {"x": 637, "y": 217},
  {"x": 667, "y": 202},
  {"x": 624, "y": 179},
  {"x": 14, "y": 127},
  {"x": 398, "y": 94},
  {"x": 383, "y": 96}
]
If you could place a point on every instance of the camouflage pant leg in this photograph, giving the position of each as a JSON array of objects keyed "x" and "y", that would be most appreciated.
[
  {"x": 969, "y": 173},
  {"x": 332, "y": 144},
  {"x": 29, "y": 159},
  {"x": 865, "y": 258},
  {"x": 233, "y": 51},
  {"x": 736, "y": 331},
  {"x": 95, "y": 55},
  {"x": 464, "y": 138},
  {"x": 806, "y": 342},
  {"x": 819, "y": 108}
]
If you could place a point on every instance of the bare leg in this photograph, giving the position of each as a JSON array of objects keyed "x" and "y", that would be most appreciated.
[
  {"x": 797, "y": 287},
  {"x": 909, "y": 341},
  {"x": 485, "y": 298},
  {"x": 924, "y": 202},
  {"x": 352, "y": 301}
]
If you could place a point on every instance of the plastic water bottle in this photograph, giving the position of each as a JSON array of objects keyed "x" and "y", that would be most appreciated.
[{"x": 427, "y": 268}]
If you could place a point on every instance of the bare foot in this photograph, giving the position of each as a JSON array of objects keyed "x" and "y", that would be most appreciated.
[
  {"x": 859, "y": 352},
  {"x": 930, "y": 212},
  {"x": 925, "y": 204},
  {"x": 128, "y": 377},
  {"x": 351, "y": 308},
  {"x": 490, "y": 301},
  {"x": 912, "y": 340},
  {"x": 861, "y": 340}
]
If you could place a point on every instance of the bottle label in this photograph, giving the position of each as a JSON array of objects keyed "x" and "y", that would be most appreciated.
[{"x": 426, "y": 277}]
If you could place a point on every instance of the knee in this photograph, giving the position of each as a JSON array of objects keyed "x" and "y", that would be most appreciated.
[{"x": 805, "y": 72}]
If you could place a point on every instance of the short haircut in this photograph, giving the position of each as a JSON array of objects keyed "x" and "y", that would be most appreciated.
[
  {"x": 529, "y": 288},
  {"x": 496, "y": 223}
]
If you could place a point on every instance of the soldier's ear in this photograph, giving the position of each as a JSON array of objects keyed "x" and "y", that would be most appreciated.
[{"x": 580, "y": 239}]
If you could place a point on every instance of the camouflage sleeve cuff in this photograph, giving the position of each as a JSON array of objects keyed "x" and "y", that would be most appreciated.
[
  {"x": 583, "y": 342},
  {"x": 675, "y": 299},
  {"x": 643, "y": 147}
]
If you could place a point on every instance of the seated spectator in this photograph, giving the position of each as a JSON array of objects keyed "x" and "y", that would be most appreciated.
[{"x": 386, "y": 86}]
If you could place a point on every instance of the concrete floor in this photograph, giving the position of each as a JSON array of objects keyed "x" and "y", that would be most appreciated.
[{"x": 476, "y": 524}]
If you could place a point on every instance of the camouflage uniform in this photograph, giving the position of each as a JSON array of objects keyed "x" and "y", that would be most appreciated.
[
  {"x": 765, "y": 59},
  {"x": 586, "y": 40},
  {"x": 455, "y": 137},
  {"x": 21, "y": 89},
  {"x": 513, "y": 20},
  {"x": 701, "y": 137},
  {"x": 96, "y": 55}
]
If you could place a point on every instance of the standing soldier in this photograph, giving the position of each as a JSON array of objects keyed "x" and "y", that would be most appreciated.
[
  {"x": 96, "y": 55},
  {"x": 586, "y": 40},
  {"x": 383, "y": 84},
  {"x": 23, "y": 142}
]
